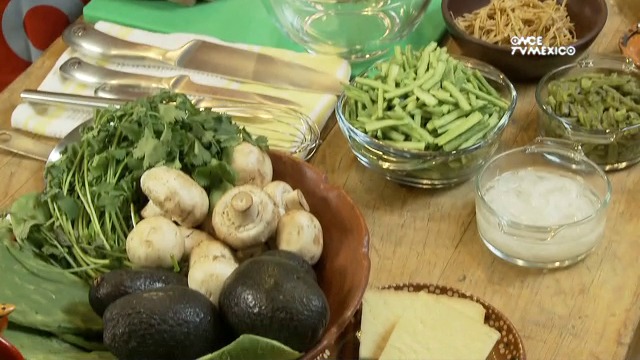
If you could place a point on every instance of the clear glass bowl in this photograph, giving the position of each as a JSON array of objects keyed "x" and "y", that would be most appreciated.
[
  {"x": 611, "y": 149},
  {"x": 430, "y": 169},
  {"x": 356, "y": 30},
  {"x": 527, "y": 243}
]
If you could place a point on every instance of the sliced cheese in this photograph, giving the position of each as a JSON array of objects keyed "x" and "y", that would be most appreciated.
[
  {"x": 441, "y": 333},
  {"x": 382, "y": 309},
  {"x": 466, "y": 306}
]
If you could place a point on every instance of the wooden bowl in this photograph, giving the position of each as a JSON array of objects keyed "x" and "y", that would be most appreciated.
[
  {"x": 508, "y": 347},
  {"x": 343, "y": 269},
  {"x": 588, "y": 16},
  {"x": 8, "y": 351}
]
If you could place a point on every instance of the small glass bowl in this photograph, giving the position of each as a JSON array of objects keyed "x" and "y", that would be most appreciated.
[
  {"x": 354, "y": 30},
  {"x": 543, "y": 246},
  {"x": 430, "y": 169},
  {"x": 611, "y": 149}
]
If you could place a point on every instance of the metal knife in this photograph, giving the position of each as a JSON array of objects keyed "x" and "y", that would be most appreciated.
[
  {"x": 227, "y": 61},
  {"x": 79, "y": 70}
]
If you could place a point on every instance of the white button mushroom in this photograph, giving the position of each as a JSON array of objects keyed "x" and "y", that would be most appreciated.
[
  {"x": 208, "y": 250},
  {"x": 252, "y": 165},
  {"x": 300, "y": 232},
  {"x": 176, "y": 194},
  {"x": 192, "y": 238},
  {"x": 151, "y": 210},
  {"x": 209, "y": 277},
  {"x": 245, "y": 216},
  {"x": 285, "y": 197},
  {"x": 155, "y": 242}
]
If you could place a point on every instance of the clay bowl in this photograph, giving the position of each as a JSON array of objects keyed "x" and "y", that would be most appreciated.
[
  {"x": 588, "y": 16},
  {"x": 8, "y": 351},
  {"x": 343, "y": 269}
]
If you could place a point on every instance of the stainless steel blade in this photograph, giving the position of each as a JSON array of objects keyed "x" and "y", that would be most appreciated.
[
  {"x": 255, "y": 67},
  {"x": 227, "y": 61},
  {"x": 80, "y": 70},
  {"x": 185, "y": 85}
]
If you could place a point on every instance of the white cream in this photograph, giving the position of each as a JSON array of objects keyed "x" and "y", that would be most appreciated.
[{"x": 542, "y": 198}]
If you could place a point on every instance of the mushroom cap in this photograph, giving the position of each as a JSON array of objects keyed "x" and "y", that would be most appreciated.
[
  {"x": 153, "y": 242},
  {"x": 300, "y": 232},
  {"x": 277, "y": 190},
  {"x": 252, "y": 165},
  {"x": 245, "y": 216},
  {"x": 176, "y": 194},
  {"x": 208, "y": 277},
  {"x": 208, "y": 251},
  {"x": 295, "y": 200},
  {"x": 151, "y": 210}
]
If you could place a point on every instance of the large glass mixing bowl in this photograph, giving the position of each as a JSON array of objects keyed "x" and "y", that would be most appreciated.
[{"x": 356, "y": 30}]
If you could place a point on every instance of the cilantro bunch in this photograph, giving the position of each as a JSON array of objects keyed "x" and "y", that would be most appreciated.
[{"x": 92, "y": 198}]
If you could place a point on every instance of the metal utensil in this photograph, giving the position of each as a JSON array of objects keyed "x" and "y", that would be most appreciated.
[
  {"x": 20, "y": 143},
  {"x": 52, "y": 98},
  {"x": 80, "y": 70},
  {"x": 228, "y": 61}
]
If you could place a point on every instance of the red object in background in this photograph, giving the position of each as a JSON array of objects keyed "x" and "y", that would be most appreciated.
[
  {"x": 8, "y": 351},
  {"x": 28, "y": 28}
]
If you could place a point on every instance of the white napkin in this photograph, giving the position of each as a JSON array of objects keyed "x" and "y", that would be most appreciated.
[{"x": 57, "y": 121}]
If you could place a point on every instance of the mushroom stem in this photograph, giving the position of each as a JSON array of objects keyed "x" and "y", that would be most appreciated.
[
  {"x": 295, "y": 200},
  {"x": 242, "y": 202}
]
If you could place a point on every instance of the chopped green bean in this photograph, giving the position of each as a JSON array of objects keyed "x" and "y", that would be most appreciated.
[
  {"x": 458, "y": 130},
  {"x": 380, "y": 124},
  {"x": 409, "y": 145},
  {"x": 490, "y": 98},
  {"x": 439, "y": 122},
  {"x": 457, "y": 95},
  {"x": 457, "y": 142},
  {"x": 427, "y": 98}
]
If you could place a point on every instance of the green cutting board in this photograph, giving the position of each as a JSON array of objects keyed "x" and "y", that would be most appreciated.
[{"x": 243, "y": 21}]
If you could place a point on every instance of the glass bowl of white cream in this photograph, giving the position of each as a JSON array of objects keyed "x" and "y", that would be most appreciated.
[{"x": 543, "y": 205}]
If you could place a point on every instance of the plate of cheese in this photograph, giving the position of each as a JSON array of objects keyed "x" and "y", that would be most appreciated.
[{"x": 431, "y": 322}]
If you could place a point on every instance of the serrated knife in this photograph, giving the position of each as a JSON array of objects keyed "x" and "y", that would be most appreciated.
[
  {"x": 226, "y": 61},
  {"x": 82, "y": 71}
]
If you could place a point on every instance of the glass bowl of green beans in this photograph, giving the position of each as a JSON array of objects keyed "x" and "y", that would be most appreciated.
[
  {"x": 594, "y": 103},
  {"x": 426, "y": 118}
]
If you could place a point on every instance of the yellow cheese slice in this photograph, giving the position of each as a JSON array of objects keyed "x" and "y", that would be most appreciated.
[
  {"x": 440, "y": 333},
  {"x": 382, "y": 309},
  {"x": 466, "y": 306}
]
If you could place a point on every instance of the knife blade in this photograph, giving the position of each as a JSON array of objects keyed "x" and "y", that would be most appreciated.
[
  {"x": 80, "y": 70},
  {"x": 227, "y": 61}
]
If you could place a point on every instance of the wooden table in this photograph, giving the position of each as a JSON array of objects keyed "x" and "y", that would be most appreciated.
[{"x": 589, "y": 311}]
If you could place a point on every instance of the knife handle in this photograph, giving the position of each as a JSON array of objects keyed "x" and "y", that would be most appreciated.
[
  {"x": 79, "y": 70},
  {"x": 86, "y": 39},
  {"x": 53, "y": 98}
]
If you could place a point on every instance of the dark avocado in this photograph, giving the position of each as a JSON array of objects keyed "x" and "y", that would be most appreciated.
[
  {"x": 272, "y": 297},
  {"x": 294, "y": 258},
  {"x": 115, "y": 284},
  {"x": 169, "y": 323}
]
